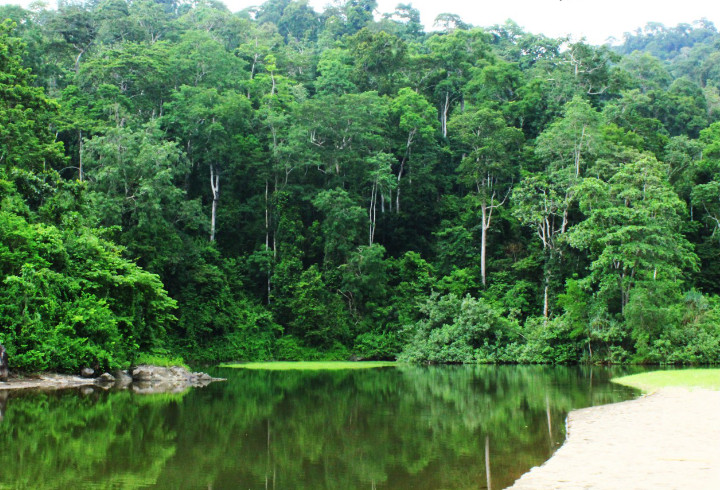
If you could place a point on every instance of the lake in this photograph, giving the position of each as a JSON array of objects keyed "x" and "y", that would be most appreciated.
[{"x": 405, "y": 427}]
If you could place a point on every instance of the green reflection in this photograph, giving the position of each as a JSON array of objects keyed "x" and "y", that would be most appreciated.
[{"x": 405, "y": 427}]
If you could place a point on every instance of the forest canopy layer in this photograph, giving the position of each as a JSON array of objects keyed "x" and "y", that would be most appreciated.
[{"x": 283, "y": 184}]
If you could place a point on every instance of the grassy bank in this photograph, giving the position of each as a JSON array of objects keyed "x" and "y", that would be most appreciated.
[
  {"x": 309, "y": 366},
  {"x": 683, "y": 378}
]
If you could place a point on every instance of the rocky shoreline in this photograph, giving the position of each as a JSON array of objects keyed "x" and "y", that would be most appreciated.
[{"x": 143, "y": 379}]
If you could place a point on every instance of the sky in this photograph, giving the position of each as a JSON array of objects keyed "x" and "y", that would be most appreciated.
[{"x": 596, "y": 21}]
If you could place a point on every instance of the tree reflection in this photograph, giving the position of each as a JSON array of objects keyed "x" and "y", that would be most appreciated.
[{"x": 406, "y": 427}]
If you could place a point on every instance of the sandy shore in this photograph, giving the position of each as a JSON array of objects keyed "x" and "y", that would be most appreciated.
[{"x": 667, "y": 440}]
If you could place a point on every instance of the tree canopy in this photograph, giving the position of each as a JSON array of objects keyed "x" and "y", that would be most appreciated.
[{"x": 281, "y": 183}]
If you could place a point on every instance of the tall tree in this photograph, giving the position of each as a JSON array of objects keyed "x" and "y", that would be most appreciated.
[
  {"x": 487, "y": 146},
  {"x": 208, "y": 123},
  {"x": 632, "y": 230},
  {"x": 27, "y": 139}
]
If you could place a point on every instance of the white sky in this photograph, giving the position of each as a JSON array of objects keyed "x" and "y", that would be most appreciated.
[
  {"x": 590, "y": 18},
  {"x": 596, "y": 20}
]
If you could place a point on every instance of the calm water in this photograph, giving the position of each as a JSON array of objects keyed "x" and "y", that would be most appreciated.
[{"x": 390, "y": 428}]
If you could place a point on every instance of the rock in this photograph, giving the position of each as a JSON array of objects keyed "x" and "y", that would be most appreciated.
[
  {"x": 87, "y": 390},
  {"x": 152, "y": 388},
  {"x": 175, "y": 379},
  {"x": 122, "y": 379},
  {"x": 87, "y": 372},
  {"x": 3, "y": 363},
  {"x": 106, "y": 378}
]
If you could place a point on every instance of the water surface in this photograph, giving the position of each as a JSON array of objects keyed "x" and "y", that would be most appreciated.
[{"x": 388, "y": 428}]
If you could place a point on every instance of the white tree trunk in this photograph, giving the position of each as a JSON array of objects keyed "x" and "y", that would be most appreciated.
[
  {"x": 444, "y": 114},
  {"x": 215, "y": 187},
  {"x": 80, "y": 155},
  {"x": 483, "y": 241}
]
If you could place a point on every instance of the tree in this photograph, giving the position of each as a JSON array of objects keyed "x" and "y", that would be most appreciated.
[
  {"x": 382, "y": 184},
  {"x": 706, "y": 195},
  {"x": 487, "y": 145},
  {"x": 358, "y": 14},
  {"x": 632, "y": 230},
  {"x": 79, "y": 28},
  {"x": 457, "y": 330},
  {"x": 208, "y": 124},
  {"x": 572, "y": 141},
  {"x": 343, "y": 220},
  {"x": 343, "y": 131},
  {"x": 414, "y": 117},
  {"x": 27, "y": 139},
  {"x": 335, "y": 73},
  {"x": 450, "y": 62},
  {"x": 135, "y": 180},
  {"x": 406, "y": 20},
  {"x": 379, "y": 59},
  {"x": 138, "y": 72},
  {"x": 542, "y": 205}
]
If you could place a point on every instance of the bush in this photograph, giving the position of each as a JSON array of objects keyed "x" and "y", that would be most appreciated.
[
  {"x": 377, "y": 346},
  {"x": 456, "y": 330}
]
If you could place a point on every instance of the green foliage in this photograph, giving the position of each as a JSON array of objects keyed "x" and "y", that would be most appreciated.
[
  {"x": 373, "y": 190},
  {"x": 160, "y": 357},
  {"x": 550, "y": 341},
  {"x": 70, "y": 300},
  {"x": 341, "y": 225},
  {"x": 26, "y": 114},
  {"x": 633, "y": 229},
  {"x": 455, "y": 330}
]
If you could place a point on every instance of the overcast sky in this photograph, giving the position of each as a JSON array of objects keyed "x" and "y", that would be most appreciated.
[{"x": 595, "y": 20}]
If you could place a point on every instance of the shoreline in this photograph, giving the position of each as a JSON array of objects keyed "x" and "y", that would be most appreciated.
[
  {"x": 669, "y": 439},
  {"x": 144, "y": 379},
  {"x": 46, "y": 382}
]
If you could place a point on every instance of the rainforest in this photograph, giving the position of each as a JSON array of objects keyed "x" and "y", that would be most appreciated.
[{"x": 180, "y": 181}]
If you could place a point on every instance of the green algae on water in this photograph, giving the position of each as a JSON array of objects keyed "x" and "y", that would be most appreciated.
[
  {"x": 311, "y": 366},
  {"x": 681, "y": 378}
]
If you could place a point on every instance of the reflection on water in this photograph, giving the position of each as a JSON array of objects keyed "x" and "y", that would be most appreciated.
[{"x": 448, "y": 427}]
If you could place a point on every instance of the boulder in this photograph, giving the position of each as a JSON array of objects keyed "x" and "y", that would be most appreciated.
[
  {"x": 106, "y": 378},
  {"x": 122, "y": 379},
  {"x": 3, "y": 363},
  {"x": 87, "y": 372},
  {"x": 175, "y": 379}
]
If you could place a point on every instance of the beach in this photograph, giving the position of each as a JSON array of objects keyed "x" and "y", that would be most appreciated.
[{"x": 669, "y": 439}]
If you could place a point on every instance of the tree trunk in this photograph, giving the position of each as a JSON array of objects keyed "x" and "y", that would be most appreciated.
[
  {"x": 483, "y": 241},
  {"x": 372, "y": 211},
  {"x": 444, "y": 114},
  {"x": 80, "y": 155},
  {"x": 578, "y": 152},
  {"x": 77, "y": 60},
  {"x": 487, "y": 463},
  {"x": 397, "y": 195},
  {"x": 215, "y": 187},
  {"x": 267, "y": 217}
]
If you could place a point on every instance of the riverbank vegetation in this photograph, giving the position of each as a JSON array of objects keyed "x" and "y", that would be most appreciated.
[{"x": 283, "y": 184}]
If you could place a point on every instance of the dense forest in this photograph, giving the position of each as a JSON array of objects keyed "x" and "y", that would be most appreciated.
[{"x": 278, "y": 183}]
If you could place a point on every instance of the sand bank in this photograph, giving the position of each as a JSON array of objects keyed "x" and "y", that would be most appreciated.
[{"x": 667, "y": 440}]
